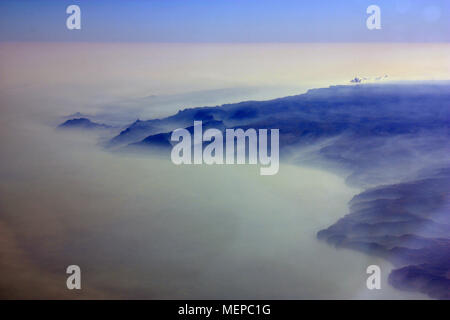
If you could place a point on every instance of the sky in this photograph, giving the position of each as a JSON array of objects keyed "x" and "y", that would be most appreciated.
[{"x": 225, "y": 21}]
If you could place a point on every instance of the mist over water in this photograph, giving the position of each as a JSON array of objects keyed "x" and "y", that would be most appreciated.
[{"x": 141, "y": 227}]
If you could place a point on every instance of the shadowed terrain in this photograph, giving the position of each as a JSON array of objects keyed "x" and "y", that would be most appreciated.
[{"x": 391, "y": 140}]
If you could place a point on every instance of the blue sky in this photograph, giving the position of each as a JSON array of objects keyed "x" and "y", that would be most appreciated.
[{"x": 226, "y": 21}]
